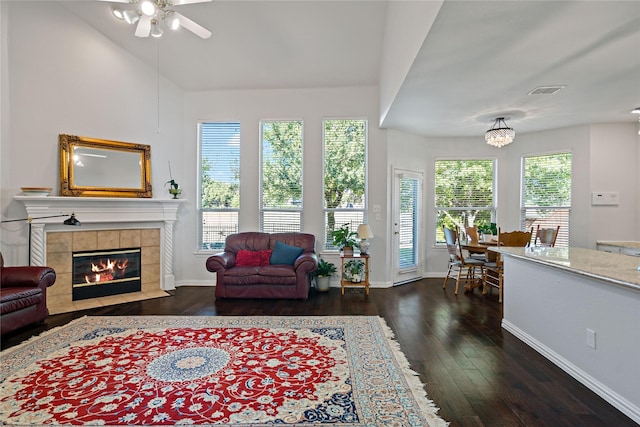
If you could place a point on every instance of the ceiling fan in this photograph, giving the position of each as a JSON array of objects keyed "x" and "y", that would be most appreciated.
[{"x": 150, "y": 14}]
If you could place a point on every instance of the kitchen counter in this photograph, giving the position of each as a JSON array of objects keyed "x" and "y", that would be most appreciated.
[
  {"x": 614, "y": 268},
  {"x": 580, "y": 309}
]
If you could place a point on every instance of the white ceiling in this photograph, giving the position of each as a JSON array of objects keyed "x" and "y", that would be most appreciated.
[{"x": 479, "y": 61}]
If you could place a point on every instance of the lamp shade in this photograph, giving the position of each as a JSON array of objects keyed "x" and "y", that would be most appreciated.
[{"x": 364, "y": 231}]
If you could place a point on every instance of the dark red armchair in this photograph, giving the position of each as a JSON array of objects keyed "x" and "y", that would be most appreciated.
[{"x": 23, "y": 295}]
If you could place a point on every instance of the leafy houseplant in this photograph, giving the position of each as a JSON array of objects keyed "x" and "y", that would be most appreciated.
[
  {"x": 353, "y": 270},
  {"x": 325, "y": 268},
  {"x": 323, "y": 274},
  {"x": 174, "y": 188},
  {"x": 343, "y": 238},
  {"x": 488, "y": 229}
]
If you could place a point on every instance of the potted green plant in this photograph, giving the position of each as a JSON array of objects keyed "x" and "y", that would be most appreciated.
[
  {"x": 323, "y": 275},
  {"x": 345, "y": 239},
  {"x": 488, "y": 231},
  {"x": 354, "y": 270},
  {"x": 174, "y": 188}
]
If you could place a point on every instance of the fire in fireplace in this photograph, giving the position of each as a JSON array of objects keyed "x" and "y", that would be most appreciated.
[{"x": 106, "y": 272}]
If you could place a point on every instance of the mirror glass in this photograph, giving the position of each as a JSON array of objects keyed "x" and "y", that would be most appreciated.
[{"x": 93, "y": 167}]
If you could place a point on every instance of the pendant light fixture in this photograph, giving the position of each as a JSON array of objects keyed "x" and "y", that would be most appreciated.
[{"x": 500, "y": 134}]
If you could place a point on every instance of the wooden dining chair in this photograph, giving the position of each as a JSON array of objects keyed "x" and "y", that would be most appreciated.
[
  {"x": 494, "y": 271},
  {"x": 461, "y": 268},
  {"x": 473, "y": 236},
  {"x": 546, "y": 236}
]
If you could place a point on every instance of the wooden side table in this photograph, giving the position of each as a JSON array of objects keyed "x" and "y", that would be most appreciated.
[{"x": 345, "y": 283}]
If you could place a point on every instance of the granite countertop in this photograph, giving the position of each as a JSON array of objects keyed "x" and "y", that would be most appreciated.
[
  {"x": 631, "y": 245},
  {"x": 614, "y": 268}
]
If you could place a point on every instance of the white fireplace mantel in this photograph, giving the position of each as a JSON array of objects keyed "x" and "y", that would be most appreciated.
[{"x": 100, "y": 213}]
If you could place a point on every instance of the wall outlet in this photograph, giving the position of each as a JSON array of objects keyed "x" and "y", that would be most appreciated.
[{"x": 591, "y": 338}]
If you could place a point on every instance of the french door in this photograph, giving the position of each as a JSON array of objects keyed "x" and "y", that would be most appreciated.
[{"x": 407, "y": 220}]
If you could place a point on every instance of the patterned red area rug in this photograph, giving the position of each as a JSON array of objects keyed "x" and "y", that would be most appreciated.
[{"x": 234, "y": 371}]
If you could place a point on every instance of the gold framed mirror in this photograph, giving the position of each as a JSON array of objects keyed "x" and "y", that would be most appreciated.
[{"x": 91, "y": 167}]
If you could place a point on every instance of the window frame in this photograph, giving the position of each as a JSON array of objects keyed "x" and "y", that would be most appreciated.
[
  {"x": 327, "y": 243},
  {"x": 299, "y": 210},
  {"x": 564, "y": 235},
  {"x": 494, "y": 194},
  {"x": 201, "y": 212}
]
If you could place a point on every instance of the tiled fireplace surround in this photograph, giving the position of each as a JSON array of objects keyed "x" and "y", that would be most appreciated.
[{"x": 107, "y": 223}]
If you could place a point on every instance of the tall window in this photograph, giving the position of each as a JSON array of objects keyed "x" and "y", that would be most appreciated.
[
  {"x": 345, "y": 175},
  {"x": 281, "y": 176},
  {"x": 546, "y": 193},
  {"x": 464, "y": 194},
  {"x": 219, "y": 182}
]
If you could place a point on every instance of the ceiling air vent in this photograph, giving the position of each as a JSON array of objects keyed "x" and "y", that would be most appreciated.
[{"x": 546, "y": 90}]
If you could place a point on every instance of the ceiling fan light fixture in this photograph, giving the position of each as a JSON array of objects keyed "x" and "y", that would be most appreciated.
[
  {"x": 172, "y": 20},
  {"x": 130, "y": 16},
  {"x": 148, "y": 8},
  {"x": 635, "y": 110},
  {"x": 117, "y": 12},
  {"x": 156, "y": 31},
  {"x": 499, "y": 134}
]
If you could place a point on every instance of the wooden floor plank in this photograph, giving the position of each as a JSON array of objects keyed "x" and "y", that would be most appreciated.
[{"x": 476, "y": 373}]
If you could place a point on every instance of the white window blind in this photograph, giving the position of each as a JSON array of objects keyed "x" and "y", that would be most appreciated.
[
  {"x": 546, "y": 193},
  {"x": 345, "y": 175},
  {"x": 408, "y": 227},
  {"x": 219, "y": 182},
  {"x": 281, "y": 176},
  {"x": 464, "y": 194}
]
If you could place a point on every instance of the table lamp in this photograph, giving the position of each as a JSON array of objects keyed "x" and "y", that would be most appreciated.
[{"x": 364, "y": 233}]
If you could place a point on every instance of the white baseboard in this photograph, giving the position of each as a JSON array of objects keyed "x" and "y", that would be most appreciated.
[
  {"x": 196, "y": 283},
  {"x": 619, "y": 402}
]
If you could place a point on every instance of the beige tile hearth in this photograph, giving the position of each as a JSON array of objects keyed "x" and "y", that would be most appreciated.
[{"x": 63, "y": 305}]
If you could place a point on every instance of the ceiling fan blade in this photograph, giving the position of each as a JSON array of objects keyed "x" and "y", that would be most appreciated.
[
  {"x": 181, "y": 2},
  {"x": 196, "y": 29},
  {"x": 144, "y": 27}
]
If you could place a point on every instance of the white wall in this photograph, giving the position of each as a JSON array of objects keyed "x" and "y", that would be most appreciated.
[
  {"x": 614, "y": 167},
  {"x": 64, "y": 77},
  {"x": 310, "y": 105}
]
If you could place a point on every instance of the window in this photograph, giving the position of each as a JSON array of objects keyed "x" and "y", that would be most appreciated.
[
  {"x": 344, "y": 175},
  {"x": 281, "y": 176},
  {"x": 464, "y": 192},
  {"x": 546, "y": 193},
  {"x": 219, "y": 182}
]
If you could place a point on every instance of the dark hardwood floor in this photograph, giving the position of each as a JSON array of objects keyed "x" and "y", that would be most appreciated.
[{"x": 476, "y": 373}]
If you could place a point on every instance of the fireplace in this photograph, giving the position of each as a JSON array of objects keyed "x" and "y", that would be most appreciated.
[{"x": 106, "y": 272}]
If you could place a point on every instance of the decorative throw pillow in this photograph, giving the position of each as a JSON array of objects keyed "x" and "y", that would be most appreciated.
[
  {"x": 285, "y": 254},
  {"x": 246, "y": 258}
]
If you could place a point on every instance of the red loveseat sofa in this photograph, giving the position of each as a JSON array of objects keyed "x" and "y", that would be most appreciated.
[
  {"x": 265, "y": 265},
  {"x": 23, "y": 295}
]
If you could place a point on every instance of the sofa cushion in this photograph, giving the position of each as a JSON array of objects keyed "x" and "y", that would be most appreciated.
[
  {"x": 17, "y": 298},
  {"x": 246, "y": 258},
  {"x": 285, "y": 254}
]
